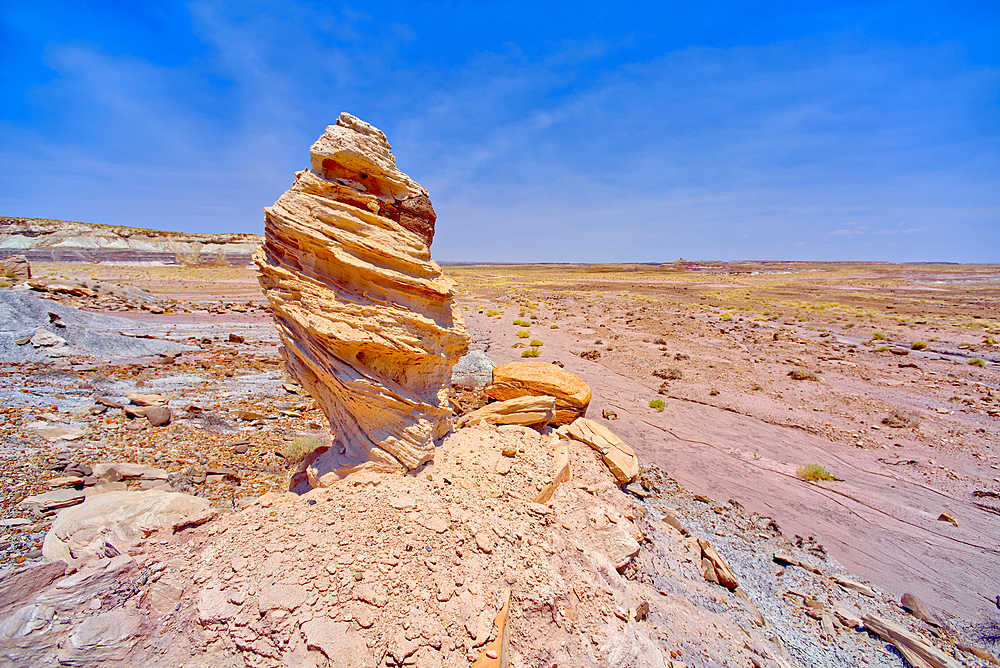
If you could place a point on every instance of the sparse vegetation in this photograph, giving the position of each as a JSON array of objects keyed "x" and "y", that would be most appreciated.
[
  {"x": 802, "y": 374},
  {"x": 882, "y": 349},
  {"x": 533, "y": 352},
  {"x": 553, "y": 326},
  {"x": 918, "y": 345},
  {"x": 523, "y": 334},
  {"x": 879, "y": 336},
  {"x": 657, "y": 404},
  {"x": 300, "y": 448},
  {"x": 672, "y": 373},
  {"x": 490, "y": 313},
  {"x": 977, "y": 361},
  {"x": 535, "y": 343},
  {"x": 522, "y": 323},
  {"x": 659, "y": 341},
  {"x": 814, "y": 472}
]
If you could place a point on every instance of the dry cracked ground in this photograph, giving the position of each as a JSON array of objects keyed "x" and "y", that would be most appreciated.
[{"x": 886, "y": 376}]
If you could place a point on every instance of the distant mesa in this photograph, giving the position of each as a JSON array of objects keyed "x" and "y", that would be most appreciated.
[
  {"x": 44, "y": 240},
  {"x": 368, "y": 321}
]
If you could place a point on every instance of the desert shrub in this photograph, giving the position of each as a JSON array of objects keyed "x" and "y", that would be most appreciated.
[
  {"x": 801, "y": 374},
  {"x": 535, "y": 343},
  {"x": 657, "y": 404},
  {"x": 659, "y": 341},
  {"x": 490, "y": 313},
  {"x": 882, "y": 349},
  {"x": 520, "y": 323},
  {"x": 300, "y": 448},
  {"x": 591, "y": 355},
  {"x": 918, "y": 345},
  {"x": 523, "y": 334},
  {"x": 553, "y": 326},
  {"x": 814, "y": 472},
  {"x": 673, "y": 373},
  {"x": 989, "y": 340},
  {"x": 530, "y": 353},
  {"x": 879, "y": 336},
  {"x": 977, "y": 361},
  {"x": 681, "y": 357}
]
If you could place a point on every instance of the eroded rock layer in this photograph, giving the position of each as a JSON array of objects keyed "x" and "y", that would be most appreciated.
[{"x": 368, "y": 320}]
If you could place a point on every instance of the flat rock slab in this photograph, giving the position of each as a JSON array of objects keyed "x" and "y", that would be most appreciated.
[{"x": 116, "y": 517}]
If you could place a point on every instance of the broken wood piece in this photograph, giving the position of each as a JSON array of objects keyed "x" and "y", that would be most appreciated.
[
  {"x": 561, "y": 452},
  {"x": 917, "y": 651},
  {"x": 494, "y": 654},
  {"x": 722, "y": 572}
]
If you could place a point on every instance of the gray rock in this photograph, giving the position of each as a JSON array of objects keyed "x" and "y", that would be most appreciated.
[{"x": 473, "y": 370}]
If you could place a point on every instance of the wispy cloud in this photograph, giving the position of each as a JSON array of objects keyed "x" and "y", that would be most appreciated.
[{"x": 572, "y": 146}]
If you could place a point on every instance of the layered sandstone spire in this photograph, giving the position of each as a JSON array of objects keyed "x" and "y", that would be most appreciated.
[{"x": 368, "y": 320}]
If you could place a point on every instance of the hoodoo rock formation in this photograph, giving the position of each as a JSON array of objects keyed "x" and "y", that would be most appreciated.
[{"x": 368, "y": 320}]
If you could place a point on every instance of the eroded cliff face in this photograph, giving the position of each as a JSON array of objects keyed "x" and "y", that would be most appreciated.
[
  {"x": 368, "y": 320},
  {"x": 41, "y": 240}
]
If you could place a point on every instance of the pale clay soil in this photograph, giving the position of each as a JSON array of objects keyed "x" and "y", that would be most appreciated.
[{"x": 412, "y": 570}]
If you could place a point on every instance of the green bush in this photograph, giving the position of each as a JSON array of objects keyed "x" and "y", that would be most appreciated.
[
  {"x": 300, "y": 448},
  {"x": 814, "y": 472},
  {"x": 523, "y": 334},
  {"x": 490, "y": 313},
  {"x": 879, "y": 336},
  {"x": 553, "y": 326},
  {"x": 657, "y": 404},
  {"x": 882, "y": 349},
  {"x": 977, "y": 361},
  {"x": 535, "y": 343},
  {"x": 918, "y": 345},
  {"x": 530, "y": 353}
]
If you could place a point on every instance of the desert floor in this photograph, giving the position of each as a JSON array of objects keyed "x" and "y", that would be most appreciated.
[{"x": 909, "y": 431}]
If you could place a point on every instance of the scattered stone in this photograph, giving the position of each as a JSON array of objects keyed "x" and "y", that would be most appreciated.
[
  {"x": 609, "y": 414},
  {"x": 619, "y": 457},
  {"x": 473, "y": 370},
  {"x": 801, "y": 374},
  {"x": 520, "y": 379},
  {"x": 526, "y": 411},
  {"x": 49, "y": 502},
  {"x": 919, "y": 609},
  {"x": 145, "y": 399},
  {"x": 44, "y": 338},
  {"x": 236, "y": 338},
  {"x": 948, "y": 517},
  {"x": 158, "y": 416}
]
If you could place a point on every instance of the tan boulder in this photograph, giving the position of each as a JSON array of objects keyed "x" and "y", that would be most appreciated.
[
  {"x": 521, "y": 410},
  {"x": 617, "y": 455},
  {"x": 520, "y": 379},
  {"x": 368, "y": 321}
]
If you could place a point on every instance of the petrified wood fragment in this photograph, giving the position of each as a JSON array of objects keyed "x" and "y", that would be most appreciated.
[{"x": 368, "y": 320}]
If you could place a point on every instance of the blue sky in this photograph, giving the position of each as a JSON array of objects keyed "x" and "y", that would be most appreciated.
[{"x": 564, "y": 132}]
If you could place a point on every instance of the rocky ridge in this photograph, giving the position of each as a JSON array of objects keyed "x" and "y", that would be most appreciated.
[{"x": 43, "y": 240}]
